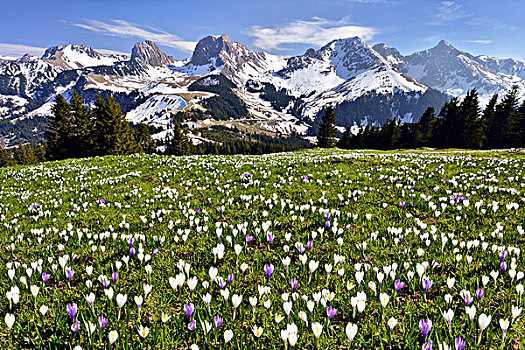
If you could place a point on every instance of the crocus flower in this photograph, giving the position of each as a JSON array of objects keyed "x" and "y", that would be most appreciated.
[
  {"x": 502, "y": 255},
  {"x": 427, "y": 283},
  {"x": 268, "y": 270},
  {"x": 331, "y": 312},
  {"x": 72, "y": 310},
  {"x": 45, "y": 276},
  {"x": 460, "y": 343},
  {"x": 479, "y": 293},
  {"x": 188, "y": 309},
  {"x": 218, "y": 321},
  {"x": 230, "y": 278},
  {"x": 398, "y": 284},
  {"x": 425, "y": 326},
  {"x": 75, "y": 327},
  {"x": 269, "y": 237},
  {"x": 114, "y": 277},
  {"x": 249, "y": 238},
  {"x": 69, "y": 274},
  {"x": 192, "y": 325},
  {"x": 102, "y": 321},
  {"x": 428, "y": 345},
  {"x": 294, "y": 283},
  {"x": 503, "y": 266}
]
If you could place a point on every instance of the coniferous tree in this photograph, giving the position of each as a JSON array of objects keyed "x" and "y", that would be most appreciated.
[
  {"x": 6, "y": 159},
  {"x": 488, "y": 123},
  {"x": 344, "y": 141},
  {"x": 144, "y": 140},
  {"x": 505, "y": 111},
  {"x": 24, "y": 155},
  {"x": 423, "y": 132},
  {"x": 178, "y": 144},
  {"x": 472, "y": 123},
  {"x": 80, "y": 127},
  {"x": 327, "y": 130},
  {"x": 58, "y": 131},
  {"x": 111, "y": 133}
]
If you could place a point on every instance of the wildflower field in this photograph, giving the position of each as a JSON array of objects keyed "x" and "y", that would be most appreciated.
[{"x": 306, "y": 250}]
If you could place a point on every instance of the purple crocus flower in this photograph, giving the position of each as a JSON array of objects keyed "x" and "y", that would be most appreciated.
[
  {"x": 309, "y": 245},
  {"x": 155, "y": 252},
  {"x": 401, "y": 204},
  {"x": 188, "y": 309},
  {"x": 460, "y": 344},
  {"x": 269, "y": 237},
  {"x": 75, "y": 327},
  {"x": 230, "y": 278},
  {"x": 427, "y": 346},
  {"x": 69, "y": 274},
  {"x": 72, "y": 310},
  {"x": 426, "y": 284},
  {"x": 130, "y": 242},
  {"x": 222, "y": 284},
  {"x": 249, "y": 238},
  {"x": 192, "y": 325},
  {"x": 114, "y": 277},
  {"x": 218, "y": 321},
  {"x": 327, "y": 224},
  {"x": 132, "y": 251},
  {"x": 398, "y": 285},
  {"x": 294, "y": 283},
  {"x": 268, "y": 270},
  {"x": 503, "y": 266},
  {"x": 331, "y": 312},
  {"x": 45, "y": 276},
  {"x": 468, "y": 299},
  {"x": 502, "y": 255},
  {"x": 425, "y": 326},
  {"x": 105, "y": 283},
  {"x": 479, "y": 293},
  {"x": 102, "y": 322},
  {"x": 300, "y": 248}
]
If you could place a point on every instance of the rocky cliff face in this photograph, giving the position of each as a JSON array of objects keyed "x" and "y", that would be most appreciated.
[{"x": 147, "y": 52}]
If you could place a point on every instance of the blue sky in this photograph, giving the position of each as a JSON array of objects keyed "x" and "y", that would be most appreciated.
[{"x": 284, "y": 27}]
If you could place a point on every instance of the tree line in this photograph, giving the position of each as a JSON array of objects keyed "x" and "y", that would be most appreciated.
[
  {"x": 76, "y": 130},
  {"x": 459, "y": 124}
]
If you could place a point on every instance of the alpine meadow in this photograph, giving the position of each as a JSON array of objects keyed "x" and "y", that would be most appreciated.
[{"x": 296, "y": 183}]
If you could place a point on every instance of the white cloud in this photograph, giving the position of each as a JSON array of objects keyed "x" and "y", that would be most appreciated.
[
  {"x": 16, "y": 50},
  {"x": 490, "y": 23},
  {"x": 122, "y": 28},
  {"x": 317, "y": 31},
  {"x": 480, "y": 41},
  {"x": 448, "y": 11}
]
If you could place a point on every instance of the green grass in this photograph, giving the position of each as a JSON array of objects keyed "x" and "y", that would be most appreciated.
[{"x": 185, "y": 207}]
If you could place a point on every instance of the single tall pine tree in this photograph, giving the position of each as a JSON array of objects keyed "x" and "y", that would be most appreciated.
[
  {"x": 80, "y": 128},
  {"x": 111, "y": 133},
  {"x": 423, "y": 131},
  {"x": 58, "y": 136},
  {"x": 178, "y": 144},
  {"x": 327, "y": 130},
  {"x": 146, "y": 143}
]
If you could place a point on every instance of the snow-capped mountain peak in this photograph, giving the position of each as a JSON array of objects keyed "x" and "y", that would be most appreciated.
[{"x": 75, "y": 57}]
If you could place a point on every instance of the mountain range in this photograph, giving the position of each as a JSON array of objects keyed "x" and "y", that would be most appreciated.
[{"x": 225, "y": 83}]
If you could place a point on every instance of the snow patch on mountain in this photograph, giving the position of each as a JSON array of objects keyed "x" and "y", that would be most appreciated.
[{"x": 156, "y": 110}]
